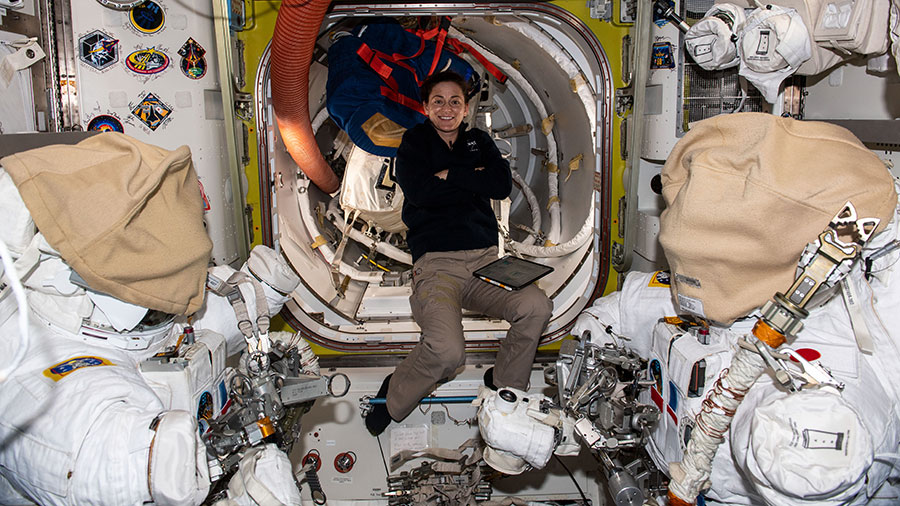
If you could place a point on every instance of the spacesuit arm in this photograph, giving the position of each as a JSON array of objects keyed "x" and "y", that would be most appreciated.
[
  {"x": 277, "y": 279},
  {"x": 626, "y": 317}
]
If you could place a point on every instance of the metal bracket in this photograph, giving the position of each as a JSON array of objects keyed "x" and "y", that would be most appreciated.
[
  {"x": 624, "y": 100},
  {"x": 243, "y": 105},
  {"x": 600, "y": 9}
]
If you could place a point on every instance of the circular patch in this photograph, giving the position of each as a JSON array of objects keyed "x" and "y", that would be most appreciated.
[
  {"x": 147, "y": 61},
  {"x": 105, "y": 123},
  {"x": 147, "y": 17}
]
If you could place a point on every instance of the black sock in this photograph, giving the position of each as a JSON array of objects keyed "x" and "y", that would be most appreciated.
[
  {"x": 378, "y": 419},
  {"x": 489, "y": 379}
]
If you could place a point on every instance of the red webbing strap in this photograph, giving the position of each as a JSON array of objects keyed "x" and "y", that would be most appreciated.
[
  {"x": 373, "y": 60},
  {"x": 403, "y": 99},
  {"x": 459, "y": 46},
  {"x": 441, "y": 38}
]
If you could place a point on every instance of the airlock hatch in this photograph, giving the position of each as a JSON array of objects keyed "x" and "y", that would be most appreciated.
[{"x": 551, "y": 117}]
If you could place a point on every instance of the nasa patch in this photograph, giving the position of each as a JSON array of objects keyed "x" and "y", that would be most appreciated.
[
  {"x": 105, "y": 123},
  {"x": 151, "y": 111},
  {"x": 193, "y": 63},
  {"x": 62, "y": 369},
  {"x": 147, "y": 17},
  {"x": 98, "y": 50},
  {"x": 147, "y": 61},
  {"x": 660, "y": 279}
]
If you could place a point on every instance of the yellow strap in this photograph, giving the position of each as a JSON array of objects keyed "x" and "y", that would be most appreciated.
[
  {"x": 548, "y": 243},
  {"x": 574, "y": 164},
  {"x": 552, "y": 168},
  {"x": 577, "y": 81},
  {"x": 318, "y": 242},
  {"x": 553, "y": 199},
  {"x": 547, "y": 124}
]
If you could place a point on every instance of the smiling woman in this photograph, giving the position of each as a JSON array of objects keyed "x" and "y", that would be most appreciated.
[
  {"x": 445, "y": 105},
  {"x": 449, "y": 174}
]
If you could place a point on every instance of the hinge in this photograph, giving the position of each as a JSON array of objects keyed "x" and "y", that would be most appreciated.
[
  {"x": 624, "y": 100},
  {"x": 243, "y": 105},
  {"x": 601, "y": 9}
]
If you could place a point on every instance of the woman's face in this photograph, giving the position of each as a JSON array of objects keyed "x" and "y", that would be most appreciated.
[{"x": 446, "y": 107}]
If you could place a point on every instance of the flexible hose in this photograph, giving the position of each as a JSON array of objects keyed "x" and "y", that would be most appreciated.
[
  {"x": 534, "y": 250},
  {"x": 692, "y": 474},
  {"x": 296, "y": 30},
  {"x": 532, "y": 205}
]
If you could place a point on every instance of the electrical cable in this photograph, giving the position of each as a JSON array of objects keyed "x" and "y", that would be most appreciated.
[
  {"x": 577, "y": 486},
  {"x": 383, "y": 460}
]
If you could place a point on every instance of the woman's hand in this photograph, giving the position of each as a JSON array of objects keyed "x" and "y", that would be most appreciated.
[{"x": 442, "y": 174}]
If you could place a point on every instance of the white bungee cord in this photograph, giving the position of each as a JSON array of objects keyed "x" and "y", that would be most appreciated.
[{"x": 12, "y": 277}]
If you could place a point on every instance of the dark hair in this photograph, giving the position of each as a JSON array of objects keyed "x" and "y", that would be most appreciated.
[{"x": 443, "y": 77}]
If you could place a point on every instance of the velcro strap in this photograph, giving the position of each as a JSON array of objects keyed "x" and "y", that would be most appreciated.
[
  {"x": 403, "y": 99},
  {"x": 460, "y": 46},
  {"x": 373, "y": 60}
]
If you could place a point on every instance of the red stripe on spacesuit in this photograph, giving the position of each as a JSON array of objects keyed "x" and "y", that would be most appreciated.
[
  {"x": 672, "y": 414},
  {"x": 657, "y": 399}
]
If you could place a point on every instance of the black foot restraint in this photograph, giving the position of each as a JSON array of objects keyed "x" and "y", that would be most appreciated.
[
  {"x": 489, "y": 379},
  {"x": 378, "y": 419}
]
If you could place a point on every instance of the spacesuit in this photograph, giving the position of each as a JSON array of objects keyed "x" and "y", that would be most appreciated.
[
  {"x": 771, "y": 182},
  {"x": 85, "y": 418}
]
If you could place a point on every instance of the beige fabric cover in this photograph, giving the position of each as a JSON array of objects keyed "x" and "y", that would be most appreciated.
[
  {"x": 127, "y": 216},
  {"x": 745, "y": 193}
]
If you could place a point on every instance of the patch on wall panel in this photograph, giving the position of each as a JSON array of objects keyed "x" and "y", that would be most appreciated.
[
  {"x": 105, "y": 123},
  {"x": 212, "y": 105},
  {"x": 117, "y": 98},
  {"x": 151, "y": 111},
  {"x": 147, "y": 61},
  {"x": 112, "y": 18},
  {"x": 147, "y": 18},
  {"x": 183, "y": 100},
  {"x": 193, "y": 63},
  {"x": 662, "y": 56},
  {"x": 98, "y": 50}
]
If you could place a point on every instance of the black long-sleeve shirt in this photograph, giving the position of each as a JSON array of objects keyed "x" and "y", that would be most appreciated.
[{"x": 452, "y": 214}]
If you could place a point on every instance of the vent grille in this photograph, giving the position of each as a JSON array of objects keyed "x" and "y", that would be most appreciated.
[{"x": 709, "y": 93}]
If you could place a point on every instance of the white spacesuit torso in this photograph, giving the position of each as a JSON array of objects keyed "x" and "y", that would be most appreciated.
[
  {"x": 816, "y": 446},
  {"x": 91, "y": 417}
]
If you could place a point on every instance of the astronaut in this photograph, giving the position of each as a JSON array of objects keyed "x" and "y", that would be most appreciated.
[
  {"x": 745, "y": 193},
  {"x": 109, "y": 244}
]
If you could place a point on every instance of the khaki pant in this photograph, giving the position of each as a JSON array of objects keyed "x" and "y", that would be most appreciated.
[{"x": 443, "y": 285}]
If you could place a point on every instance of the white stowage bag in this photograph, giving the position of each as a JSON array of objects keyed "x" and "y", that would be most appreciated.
[
  {"x": 368, "y": 187},
  {"x": 808, "y": 445}
]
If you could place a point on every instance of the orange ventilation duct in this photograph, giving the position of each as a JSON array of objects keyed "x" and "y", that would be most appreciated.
[{"x": 296, "y": 30}]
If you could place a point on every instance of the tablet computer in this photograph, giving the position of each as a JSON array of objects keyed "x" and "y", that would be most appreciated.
[{"x": 511, "y": 273}]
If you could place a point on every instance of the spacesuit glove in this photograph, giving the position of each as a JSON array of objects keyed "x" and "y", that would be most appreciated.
[{"x": 272, "y": 269}]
